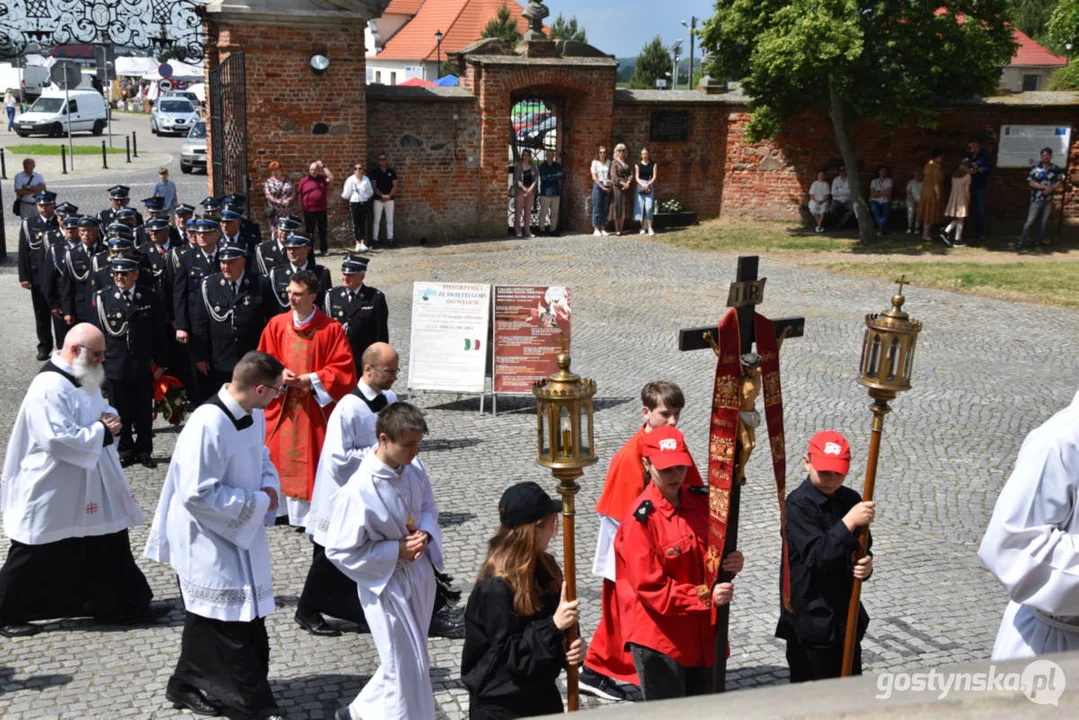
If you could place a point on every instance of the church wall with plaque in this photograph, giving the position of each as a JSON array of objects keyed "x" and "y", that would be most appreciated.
[{"x": 668, "y": 126}]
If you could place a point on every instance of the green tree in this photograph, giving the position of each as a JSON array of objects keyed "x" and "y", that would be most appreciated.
[
  {"x": 1065, "y": 78},
  {"x": 1032, "y": 17},
  {"x": 1064, "y": 24},
  {"x": 652, "y": 64},
  {"x": 449, "y": 68},
  {"x": 563, "y": 29},
  {"x": 892, "y": 61},
  {"x": 502, "y": 27}
]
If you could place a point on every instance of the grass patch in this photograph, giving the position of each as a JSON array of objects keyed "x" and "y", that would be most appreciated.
[
  {"x": 55, "y": 150},
  {"x": 1047, "y": 283},
  {"x": 743, "y": 236}
]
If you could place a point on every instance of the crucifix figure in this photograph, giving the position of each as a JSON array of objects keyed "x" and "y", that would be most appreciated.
[{"x": 741, "y": 374}]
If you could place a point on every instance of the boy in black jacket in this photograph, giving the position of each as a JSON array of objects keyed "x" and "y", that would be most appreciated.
[{"x": 822, "y": 517}]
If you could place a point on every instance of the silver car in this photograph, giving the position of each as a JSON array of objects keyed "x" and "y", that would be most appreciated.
[
  {"x": 193, "y": 153},
  {"x": 173, "y": 115}
]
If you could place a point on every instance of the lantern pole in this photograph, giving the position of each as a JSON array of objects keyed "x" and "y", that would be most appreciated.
[{"x": 567, "y": 488}]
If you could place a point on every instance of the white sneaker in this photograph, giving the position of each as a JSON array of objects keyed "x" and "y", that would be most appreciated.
[
  {"x": 531, "y": 234},
  {"x": 643, "y": 232},
  {"x": 597, "y": 233},
  {"x": 361, "y": 247},
  {"x": 910, "y": 231},
  {"x": 604, "y": 232},
  {"x": 651, "y": 231}
]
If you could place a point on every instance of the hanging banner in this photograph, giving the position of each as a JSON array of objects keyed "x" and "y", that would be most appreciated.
[
  {"x": 448, "y": 350},
  {"x": 531, "y": 322}
]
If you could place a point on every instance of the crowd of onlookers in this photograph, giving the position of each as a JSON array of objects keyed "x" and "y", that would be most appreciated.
[{"x": 931, "y": 201}]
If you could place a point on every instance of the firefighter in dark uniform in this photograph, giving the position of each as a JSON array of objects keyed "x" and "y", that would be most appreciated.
[
  {"x": 211, "y": 207},
  {"x": 233, "y": 233},
  {"x": 360, "y": 309},
  {"x": 195, "y": 266},
  {"x": 77, "y": 278},
  {"x": 298, "y": 252},
  {"x": 133, "y": 321},
  {"x": 119, "y": 197},
  {"x": 155, "y": 208},
  {"x": 227, "y": 317},
  {"x": 120, "y": 241},
  {"x": 178, "y": 234},
  {"x": 54, "y": 269},
  {"x": 271, "y": 253},
  {"x": 34, "y": 244},
  {"x": 248, "y": 228}
]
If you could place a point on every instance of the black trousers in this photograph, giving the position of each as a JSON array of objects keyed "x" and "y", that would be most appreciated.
[
  {"x": 133, "y": 398},
  {"x": 358, "y": 211},
  {"x": 663, "y": 678},
  {"x": 229, "y": 662},
  {"x": 317, "y": 219},
  {"x": 75, "y": 577},
  {"x": 199, "y": 384},
  {"x": 59, "y": 329},
  {"x": 329, "y": 591},
  {"x": 42, "y": 319},
  {"x": 811, "y": 662}
]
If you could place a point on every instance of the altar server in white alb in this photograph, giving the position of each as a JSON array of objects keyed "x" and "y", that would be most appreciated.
[
  {"x": 350, "y": 433},
  {"x": 1032, "y": 544},
  {"x": 67, "y": 505},
  {"x": 383, "y": 533},
  {"x": 220, "y": 493}
]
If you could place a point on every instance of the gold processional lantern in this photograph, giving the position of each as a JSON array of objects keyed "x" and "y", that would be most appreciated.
[
  {"x": 564, "y": 443},
  {"x": 886, "y": 368}
]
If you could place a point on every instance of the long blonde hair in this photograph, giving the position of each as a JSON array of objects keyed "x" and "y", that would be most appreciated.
[
  {"x": 512, "y": 556},
  {"x": 962, "y": 169}
]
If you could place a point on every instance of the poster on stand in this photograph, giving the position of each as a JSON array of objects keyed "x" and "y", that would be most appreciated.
[
  {"x": 1021, "y": 145},
  {"x": 530, "y": 324},
  {"x": 449, "y": 350}
]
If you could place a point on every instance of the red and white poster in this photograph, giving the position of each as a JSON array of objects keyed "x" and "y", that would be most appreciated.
[{"x": 532, "y": 326}]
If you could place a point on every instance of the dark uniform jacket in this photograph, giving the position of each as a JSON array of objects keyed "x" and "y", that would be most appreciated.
[
  {"x": 819, "y": 549},
  {"x": 276, "y": 286},
  {"x": 103, "y": 271},
  {"x": 224, "y": 325},
  {"x": 108, "y": 216},
  {"x": 177, "y": 237},
  {"x": 52, "y": 277},
  {"x": 269, "y": 255},
  {"x": 510, "y": 663},
  {"x": 245, "y": 239},
  {"x": 364, "y": 316},
  {"x": 34, "y": 247},
  {"x": 77, "y": 282},
  {"x": 194, "y": 267},
  {"x": 159, "y": 271},
  {"x": 250, "y": 228},
  {"x": 134, "y": 332}
]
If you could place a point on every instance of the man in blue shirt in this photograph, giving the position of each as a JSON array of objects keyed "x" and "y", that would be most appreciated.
[
  {"x": 1043, "y": 179},
  {"x": 980, "y": 165},
  {"x": 550, "y": 172}
]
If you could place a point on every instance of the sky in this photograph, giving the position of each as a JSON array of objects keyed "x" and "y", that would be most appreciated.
[{"x": 623, "y": 27}]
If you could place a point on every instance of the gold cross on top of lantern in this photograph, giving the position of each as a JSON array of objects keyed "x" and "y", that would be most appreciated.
[
  {"x": 564, "y": 420},
  {"x": 888, "y": 349}
]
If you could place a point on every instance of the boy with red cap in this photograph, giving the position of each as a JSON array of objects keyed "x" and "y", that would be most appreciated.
[
  {"x": 822, "y": 517},
  {"x": 664, "y": 598},
  {"x": 608, "y": 663}
]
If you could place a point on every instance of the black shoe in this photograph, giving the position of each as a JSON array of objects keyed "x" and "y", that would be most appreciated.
[
  {"x": 443, "y": 625},
  {"x": 193, "y": 700},
  {"x": 633, "y": 693},
  {"x": 342, "y": 713},
  {"x": 43, "y": 354},
  {"x": 147, "y": 462},
  {"x": 316, "y": 624},
  {"x": 143, "y": 616},
  {"x": 16, "y": 630},
  {"x": 128, "y": 460},
  {"x": 601, "y": 686}
]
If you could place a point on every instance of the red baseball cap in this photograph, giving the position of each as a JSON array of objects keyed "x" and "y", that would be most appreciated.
[
  {"x": 829, "y": 452},
  {"x": 665, "y": 447}
]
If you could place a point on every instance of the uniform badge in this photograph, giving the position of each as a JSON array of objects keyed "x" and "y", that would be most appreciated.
[
  {"x": 217, "y": 308},
  {"x": 340, "y": 313},
  {"x": 643, "y": 511},
  {"x": 247, "y": 300},
  {"x": 222, "y": 282},
  {"x": 112, "y": 323},
  {"x": 117, "y": 296}
]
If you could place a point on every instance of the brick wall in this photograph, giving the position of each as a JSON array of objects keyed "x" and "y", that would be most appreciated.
[{"x": 433, "y": 142}]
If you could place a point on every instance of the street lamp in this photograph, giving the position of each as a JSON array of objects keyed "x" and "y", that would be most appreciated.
[
  {"x": 692, "y": 31},
  {"x": 438, "y": 56},
  {"x": 1067, "y": 53},
  {"x": 564, "y": 444},
  {"x": 676, "y": 50}
]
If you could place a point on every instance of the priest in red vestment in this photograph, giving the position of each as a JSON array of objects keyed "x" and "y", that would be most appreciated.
[{"x": 319, "y": 371}]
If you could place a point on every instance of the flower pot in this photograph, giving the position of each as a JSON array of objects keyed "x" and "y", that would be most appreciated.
[{"x": 666, "y": 221}]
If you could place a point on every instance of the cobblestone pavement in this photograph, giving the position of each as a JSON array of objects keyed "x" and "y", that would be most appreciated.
[{"x": 986, "y": 372}]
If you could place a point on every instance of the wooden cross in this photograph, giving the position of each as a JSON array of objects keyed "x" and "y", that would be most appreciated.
[{"x": 746, "y": 292}]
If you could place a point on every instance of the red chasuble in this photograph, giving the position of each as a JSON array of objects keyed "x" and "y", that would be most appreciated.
[{"x": 295, "y": 423}]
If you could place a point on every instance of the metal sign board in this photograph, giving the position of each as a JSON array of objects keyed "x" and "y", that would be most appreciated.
[
  {"x": 164, "y": 85},
  {"x": 164, "y": 70},
  {"x": 1021, "y": 145},
  {"x": 66, "y": 75},
  {"x": 105, "y": 60}
]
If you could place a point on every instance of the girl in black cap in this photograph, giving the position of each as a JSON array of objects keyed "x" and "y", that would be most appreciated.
[{"x": 517, "y": 615}]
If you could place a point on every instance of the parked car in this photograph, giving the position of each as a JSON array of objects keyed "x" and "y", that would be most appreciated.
[
  {"x": 193, "y": 153},
  {"x": 173, "y": 115},
  {"x": 186, "y": 94},
  {"x": 51, "y": 114},
  {"x": 531, "y": 120},
  {"x": 532, "y": 135}
]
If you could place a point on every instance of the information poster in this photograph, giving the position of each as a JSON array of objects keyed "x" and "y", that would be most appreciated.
[
  {"x": 449, "y": 336},
  {"x": 1021, "y": 145},
  {"x": 530, "y": 324}
]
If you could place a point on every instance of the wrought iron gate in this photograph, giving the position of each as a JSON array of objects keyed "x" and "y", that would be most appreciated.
[
  {"x": 228, "y": 127},
  {"x": 534, "y": 126}
]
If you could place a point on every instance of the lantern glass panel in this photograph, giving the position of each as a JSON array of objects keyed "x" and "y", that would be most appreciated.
[
  {"x": 893, "y": 358},
  {"x": 585, "y": 428},
  {"x": 908, "y": 364},
  {"x": 544, "y": 432},
  {"x": 865, "y": 351},
  {"x": 874, "y": 357},
  {"x": 565, "y": 433}
]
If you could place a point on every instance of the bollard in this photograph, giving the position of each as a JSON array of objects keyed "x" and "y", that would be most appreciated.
[
  {"x": 3, "y": 165},
  {"x": 127, "y": 147},
  {"x": 134, "y": 144},
  {"x": 104, "y": 156},
  {"x": 63, "y": 158}
]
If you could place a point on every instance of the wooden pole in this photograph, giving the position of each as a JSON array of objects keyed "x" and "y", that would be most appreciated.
[
  {"x": 568, "y": 488},
  {"x": 880, "y": 409}
]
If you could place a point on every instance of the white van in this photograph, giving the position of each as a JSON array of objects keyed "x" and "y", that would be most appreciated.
[{"x": 51, "y": 113}]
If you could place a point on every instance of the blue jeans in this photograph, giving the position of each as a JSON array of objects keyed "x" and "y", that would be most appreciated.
[
  {"x": 978, "y": 198},
  {"x": 1044, "y": 208},
  {"x": 880, "y": 212},
  {"x": 601, "y": 207},
  {"x": 645, "y": 207},
  {"x": 10, "y": 118}
]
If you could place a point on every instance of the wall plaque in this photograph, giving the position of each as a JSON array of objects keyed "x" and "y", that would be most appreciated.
[{"x": 669, "y": 126}]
